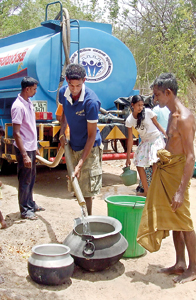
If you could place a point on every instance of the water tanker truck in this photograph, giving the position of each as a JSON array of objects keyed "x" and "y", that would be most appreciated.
[{"x": 43, "y": 53}]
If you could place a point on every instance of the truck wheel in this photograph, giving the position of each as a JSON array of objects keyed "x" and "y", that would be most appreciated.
[{"x": 119, "y": 146}]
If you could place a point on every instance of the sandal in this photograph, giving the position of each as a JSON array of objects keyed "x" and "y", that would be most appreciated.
[{"x": 39, "y": 208}]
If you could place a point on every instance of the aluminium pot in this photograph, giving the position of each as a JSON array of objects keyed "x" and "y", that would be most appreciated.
[
  {"x": 50, "y": 264},
  {"x": 102, "y": 247}
]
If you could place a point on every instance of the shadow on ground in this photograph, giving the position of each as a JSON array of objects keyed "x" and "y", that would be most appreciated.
[
  {"x": 52, "y": 182},
  {"x": 152, "y": 276},
  {"x": 111, "y": 273}
]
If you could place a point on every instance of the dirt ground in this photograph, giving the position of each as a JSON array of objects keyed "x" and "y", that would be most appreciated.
[{"x": 130, "y": 278}]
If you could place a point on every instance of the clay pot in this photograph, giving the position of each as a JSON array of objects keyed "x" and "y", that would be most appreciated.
[
  {"x": 50, "y": 264},
  {"x": 99, "y": 249}
]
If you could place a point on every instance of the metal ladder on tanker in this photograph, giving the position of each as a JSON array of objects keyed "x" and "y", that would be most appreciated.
[{"x": 56, "y": 22}]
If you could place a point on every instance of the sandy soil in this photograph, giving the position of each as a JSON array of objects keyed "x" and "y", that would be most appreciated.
[{"x": 130, "y": 278}]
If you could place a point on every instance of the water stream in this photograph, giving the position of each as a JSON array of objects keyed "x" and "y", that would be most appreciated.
[{"x": 86, "y": 225}]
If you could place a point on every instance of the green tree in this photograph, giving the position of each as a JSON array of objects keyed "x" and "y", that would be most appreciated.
[
  {"x": 161, "y": 35},
  {"x": 21, "y": 15}
]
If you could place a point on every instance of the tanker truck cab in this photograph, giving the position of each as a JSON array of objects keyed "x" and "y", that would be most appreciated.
[{"x": 42, "y": 54}]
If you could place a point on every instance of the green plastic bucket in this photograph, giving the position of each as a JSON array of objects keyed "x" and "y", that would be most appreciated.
[{"x": 128, "y": 210}]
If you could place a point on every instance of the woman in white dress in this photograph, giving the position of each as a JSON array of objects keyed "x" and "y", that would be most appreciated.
[{"x": 145, "y": 122}]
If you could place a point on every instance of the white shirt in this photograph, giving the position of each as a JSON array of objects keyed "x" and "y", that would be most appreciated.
[{"x": 147, "y": 129}]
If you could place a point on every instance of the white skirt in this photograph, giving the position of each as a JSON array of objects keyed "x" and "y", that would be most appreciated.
[{"x": 146, "y": 153}]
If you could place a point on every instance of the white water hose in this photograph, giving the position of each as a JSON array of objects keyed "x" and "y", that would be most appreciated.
[
  {"x": 74, "y": 180},
  {"x": 70, "y": 170},
  {"x": 51, "y": 164}
]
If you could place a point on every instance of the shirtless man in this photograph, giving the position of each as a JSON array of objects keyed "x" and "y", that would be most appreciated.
[{"x": 180, "y": 132}]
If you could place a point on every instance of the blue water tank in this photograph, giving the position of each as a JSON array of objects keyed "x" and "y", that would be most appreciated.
[
  {"x": 110, "y": 66},
  {"x": 35, "y": 53}
]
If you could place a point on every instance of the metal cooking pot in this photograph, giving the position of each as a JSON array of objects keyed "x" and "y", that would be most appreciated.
[
  {"x": 102, "y": 247},
  {"x": 50, "y": 264}
]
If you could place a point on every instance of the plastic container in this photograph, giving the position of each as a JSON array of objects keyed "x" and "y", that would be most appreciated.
[
  {"x": 129, "y": 177},
  {"x": 128, "y": 210}
]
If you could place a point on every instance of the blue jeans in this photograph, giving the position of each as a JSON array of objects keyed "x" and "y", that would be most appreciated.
[{"x": 26, "y": 179}]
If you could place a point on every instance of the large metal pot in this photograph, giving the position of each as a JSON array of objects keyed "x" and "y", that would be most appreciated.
[
  {"x": 50, "y": 264},
  {"x": 99, "y": 249}
]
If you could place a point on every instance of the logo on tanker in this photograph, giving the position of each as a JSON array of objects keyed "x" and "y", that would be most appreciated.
[{"x": 97, "y": 64}]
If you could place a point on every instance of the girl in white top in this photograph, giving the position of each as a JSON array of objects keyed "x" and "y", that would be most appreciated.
[{"x": 145, "y": 122}]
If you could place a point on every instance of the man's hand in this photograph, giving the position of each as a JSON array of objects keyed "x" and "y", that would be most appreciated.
[
  {"x": 77, "y": 171},
  {"x": 27, "y": 161},
  {"x": 37, "y": 152},
  {"x": 177, "y": 201},
  {"x": 63, "y": 140}
]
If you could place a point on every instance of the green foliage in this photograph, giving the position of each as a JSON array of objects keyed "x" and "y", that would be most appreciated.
[
  {"x": 21, "y": 15},
  {"x": 113, "y": 8},
  {"x": 161, "y": 36},
  {"x": 174, "y": 50}
]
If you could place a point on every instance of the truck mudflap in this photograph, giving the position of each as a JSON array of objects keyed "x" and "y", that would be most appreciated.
[
  {"x": 115, "y": 131},
  {"x": 117, "y": 135}
]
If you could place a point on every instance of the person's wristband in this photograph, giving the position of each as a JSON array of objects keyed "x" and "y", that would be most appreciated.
[{"x": 61, "y": 136}]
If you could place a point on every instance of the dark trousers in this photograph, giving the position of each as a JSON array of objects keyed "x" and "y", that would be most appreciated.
[{"x": 26, "y": 179}]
